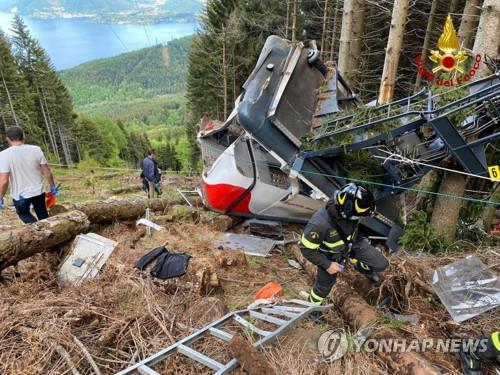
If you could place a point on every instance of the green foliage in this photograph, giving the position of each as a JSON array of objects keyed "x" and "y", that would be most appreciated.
[
  {"x": 146, "y": 73},
  {"x": 420, "y": 236},
  {"x": 445, "y": 95},
  {"x": 362, "y": 165},
  {"x": 33, "y": 96}
]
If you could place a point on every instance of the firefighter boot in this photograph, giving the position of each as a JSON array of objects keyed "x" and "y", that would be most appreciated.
[{"x": 470, "y": 363}]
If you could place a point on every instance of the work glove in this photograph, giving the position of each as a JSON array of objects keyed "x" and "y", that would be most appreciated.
[
  {"x": 158, "y": 185},
  {"x": 54, "y": 190},
  {"x": 2, "y": 206}
]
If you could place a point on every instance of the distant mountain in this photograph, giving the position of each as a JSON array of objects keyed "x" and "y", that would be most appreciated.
[
  {"x": 146, "y": 73},
  {"x": 107, "y": 10}
]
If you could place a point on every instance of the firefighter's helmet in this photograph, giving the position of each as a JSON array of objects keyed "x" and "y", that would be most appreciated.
[{"x": 354, "y": 200}]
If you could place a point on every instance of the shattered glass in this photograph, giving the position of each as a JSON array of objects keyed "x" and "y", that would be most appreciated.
[{"x": 466, "y": 288}]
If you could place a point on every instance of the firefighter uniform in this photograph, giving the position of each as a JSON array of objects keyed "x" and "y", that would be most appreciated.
[
  {"x": 489, "y": 351},
  {"x": 321, "y": 244}
]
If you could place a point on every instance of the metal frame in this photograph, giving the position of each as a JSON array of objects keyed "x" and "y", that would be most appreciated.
[{"x": 294, "y": 309}]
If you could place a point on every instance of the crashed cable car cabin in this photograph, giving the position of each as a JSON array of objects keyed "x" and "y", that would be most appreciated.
[{"x": 280, "y": 153}]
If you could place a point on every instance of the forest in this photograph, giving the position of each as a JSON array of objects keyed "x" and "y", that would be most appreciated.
[{"x": 34, "y": 97}]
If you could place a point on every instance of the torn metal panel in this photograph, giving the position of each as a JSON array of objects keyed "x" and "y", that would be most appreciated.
[
  {"x": 265, "y": 228},
  {"x": 251, "y": 245},
  {"x": 467, "y": 288},
  {"x": 88, "y": 253}
]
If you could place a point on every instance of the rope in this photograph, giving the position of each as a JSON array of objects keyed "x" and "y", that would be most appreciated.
[
  {"x": 396, "y": 157},
  {"x": 463, "y": 198}
]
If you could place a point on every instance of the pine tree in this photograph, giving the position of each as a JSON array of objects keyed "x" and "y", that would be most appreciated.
[
  {"x": 15, "y": 102},
  {"x": 52, "y": 102}
]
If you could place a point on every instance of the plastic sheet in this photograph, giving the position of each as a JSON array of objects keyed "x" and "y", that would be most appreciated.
[{"x": 467, "y": 288}]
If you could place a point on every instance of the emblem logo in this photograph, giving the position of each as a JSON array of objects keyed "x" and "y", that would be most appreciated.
[
  {"x": 450, "y": 56},
  {"x": 448, "y": 59}
]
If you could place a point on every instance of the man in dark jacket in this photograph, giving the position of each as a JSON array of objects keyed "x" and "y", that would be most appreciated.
[
  {"x": 150, "y": 173},
  {"x": 331, "y": 236}
]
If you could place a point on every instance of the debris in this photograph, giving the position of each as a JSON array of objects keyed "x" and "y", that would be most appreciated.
[
  {"x": 223, "y": 223},
  {"x": 168, "y": 265},
  {"x": 149, "y": 224},
  {"x": 88, "y": 253},
  {"x": 22, "y": 242},
  {"x": 251, "y": 245},
  {"x": 265, "y": 228},
  {"x": 294, "y": 264},
  {"x": 230, "y": 258},
  {"x": 251, "y": 361},
  {"x": 183, "y": 194},
  {"x": 269, "y": 290},
  {"x": 410, "y": 318},
  {"x": 467, "y": 288}
]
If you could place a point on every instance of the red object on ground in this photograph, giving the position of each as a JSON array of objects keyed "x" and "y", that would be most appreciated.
[
  {"x": 50, "y": 200},
  {"x": 221, "y": 196},
  {"x": 269, "y": 290}
]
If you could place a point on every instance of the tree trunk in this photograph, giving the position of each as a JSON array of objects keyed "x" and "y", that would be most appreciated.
[
  {"x": 350, "y": 39},
  {"x": 334, "y": 29},
  {"x": 427, "y": 39},
  {"x": 360, "y": 314},
  {"x": 287, "y": 25},
  {"x": 469, "y": 22},
  {"x": 487, "y": 41},
  {"x": 446, "y": 210},
  {"x": 224, "y": 70},
  {"x": 453, "y": 6},
  {"x": 393, "y": 50},
  {"x": 9, "y": 99},
  {"x": 110, "y": 210},
  {"x": 294, "y": 21},
  {"x": 251, "y": 361},
  {"x": 25, "y": 241},
  {"x": 324, "y": 30}
]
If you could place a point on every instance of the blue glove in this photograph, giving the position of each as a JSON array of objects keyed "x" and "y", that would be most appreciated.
[
  {"x": 158, "y": 185},
  {"x": 2, "y": 207},
  {"x": 54, "y": 190}
]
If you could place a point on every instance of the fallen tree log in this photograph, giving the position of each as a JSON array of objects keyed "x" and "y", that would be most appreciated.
[
  {"x": 126, "y": 189},
  {"x": 123, "y": 209},
  {"x": 23, "y": 242},
  {"x": 358, "y": 313}
]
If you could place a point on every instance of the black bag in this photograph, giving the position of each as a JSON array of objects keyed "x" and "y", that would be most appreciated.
[{"x": 168, "y": 265}]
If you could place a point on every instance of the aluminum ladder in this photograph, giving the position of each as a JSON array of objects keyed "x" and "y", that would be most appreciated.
[{"x": 284, "y": 316}]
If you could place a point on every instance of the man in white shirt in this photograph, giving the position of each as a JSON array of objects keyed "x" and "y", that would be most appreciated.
[{"x": 23, "y": 167}]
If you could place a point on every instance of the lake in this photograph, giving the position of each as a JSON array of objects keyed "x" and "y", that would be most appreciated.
[{"x": 70, "y": 42}]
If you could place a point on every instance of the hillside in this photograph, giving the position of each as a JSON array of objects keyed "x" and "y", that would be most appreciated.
[
  {"x": 145, "y": 73},
  {"x": 142, "y": 89},
  {"x": 146, "y": 11}
]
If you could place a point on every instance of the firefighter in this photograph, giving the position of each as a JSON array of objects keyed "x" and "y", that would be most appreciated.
[
  {"x": 331, "y": 236},
  {"x": 490, "y": 351}
]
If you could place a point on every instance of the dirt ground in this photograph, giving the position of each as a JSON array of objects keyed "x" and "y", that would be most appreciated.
[{"x": 125, "y": 315}]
